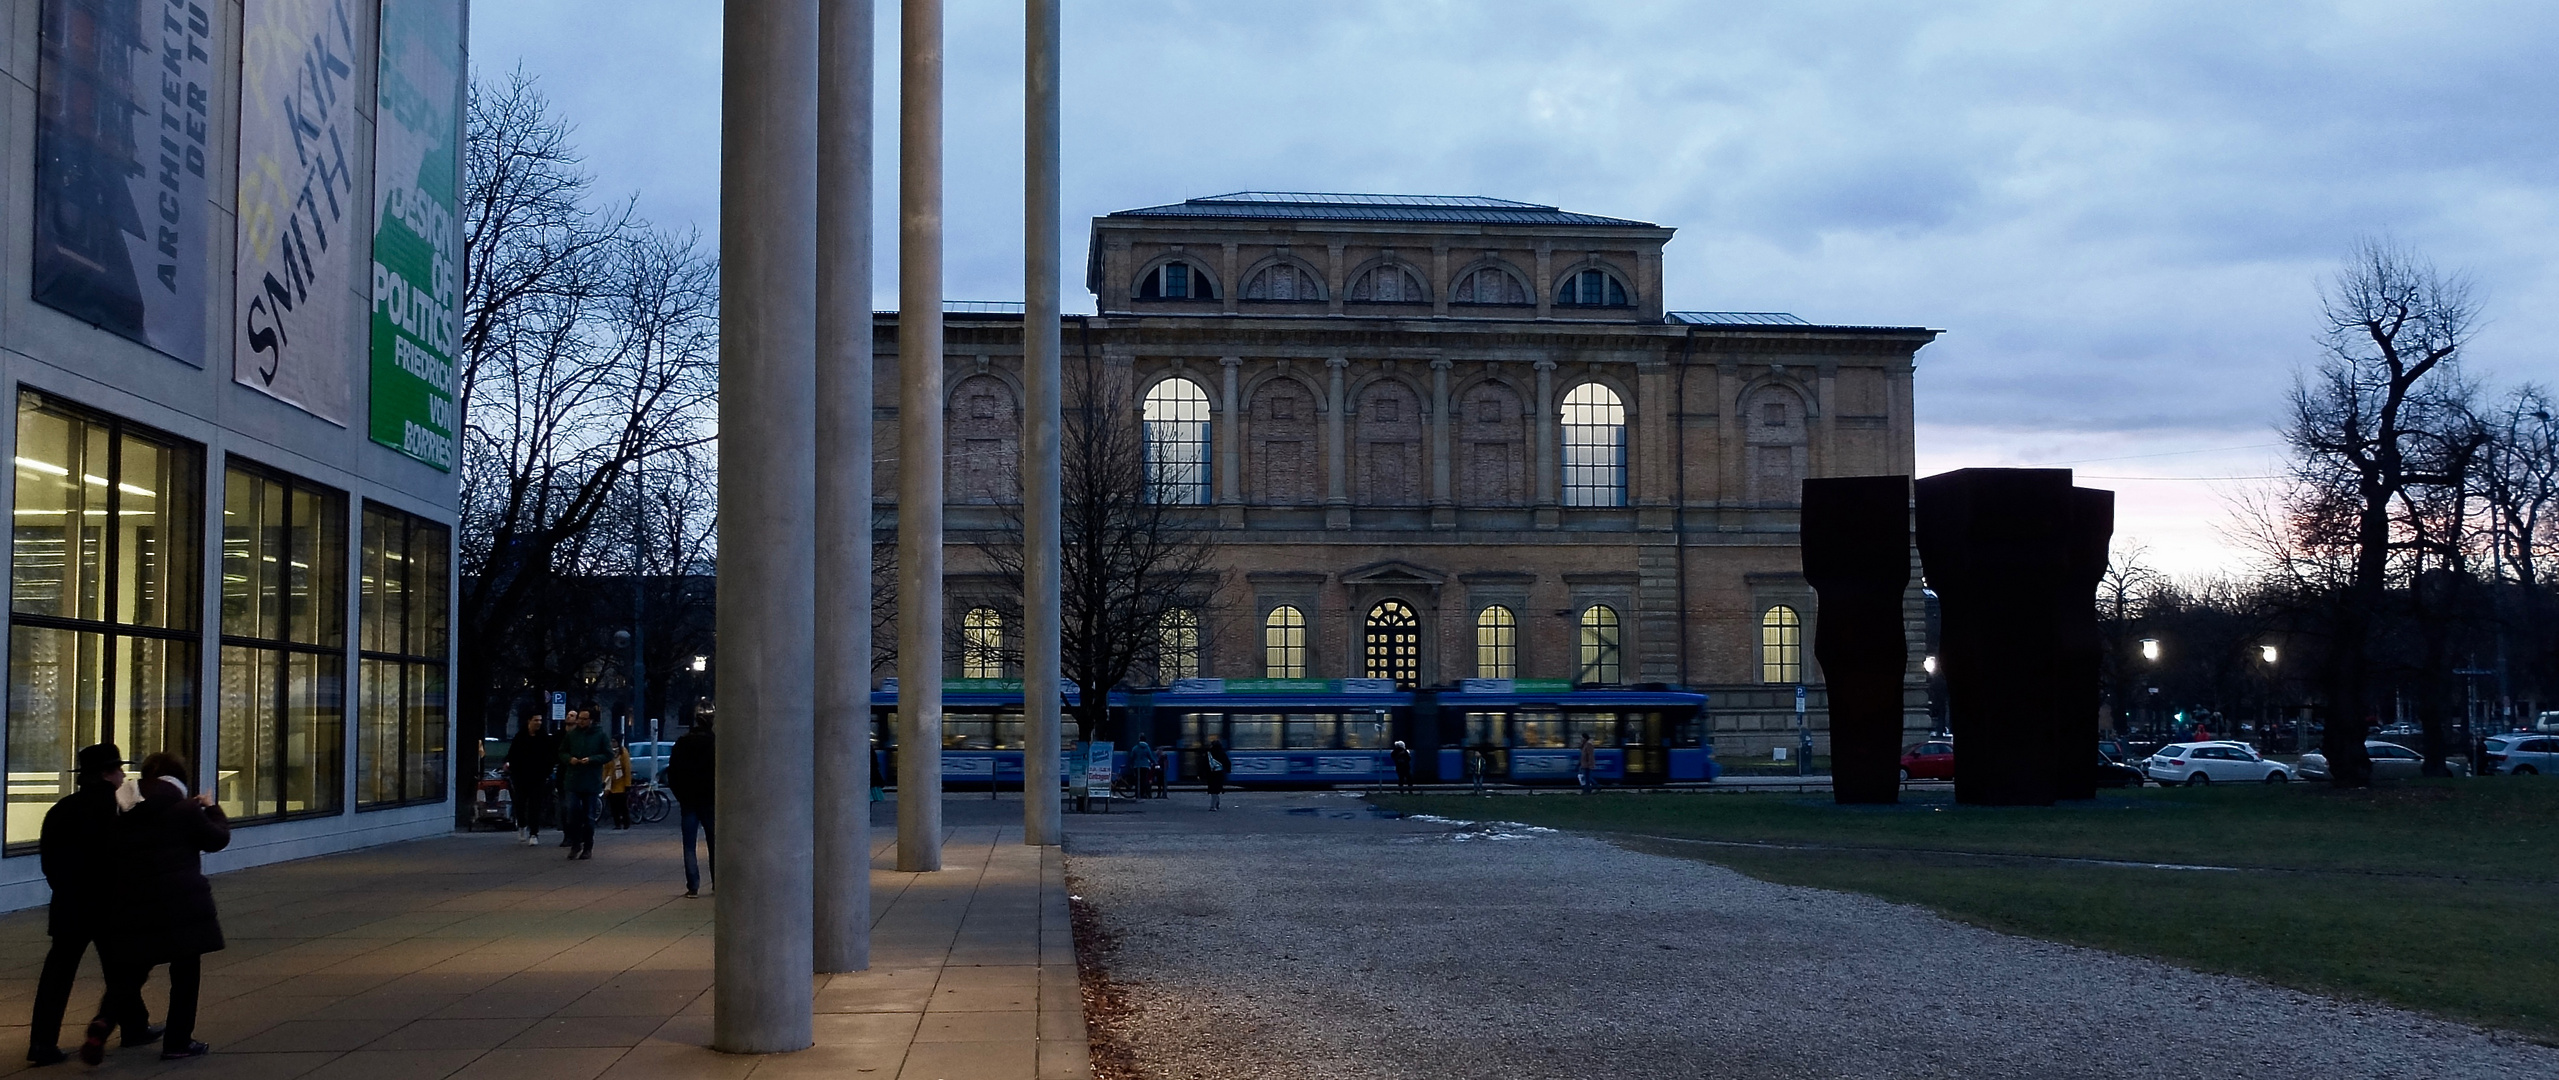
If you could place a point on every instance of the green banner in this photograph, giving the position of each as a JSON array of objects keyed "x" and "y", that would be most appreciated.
[
  {"x": 417, "y": 238},
  {"x": 1281, "y": 686}
]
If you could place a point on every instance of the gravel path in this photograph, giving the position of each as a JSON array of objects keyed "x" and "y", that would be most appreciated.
[{"x": 1299, "y": 937}]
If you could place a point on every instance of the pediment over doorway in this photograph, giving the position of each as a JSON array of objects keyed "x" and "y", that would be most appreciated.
[{"x": 1393, "y": 572}]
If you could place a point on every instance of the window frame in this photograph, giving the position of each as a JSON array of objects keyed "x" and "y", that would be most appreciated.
[
  {"x": 283, "y": 649},
  {"x": 1178, "y": 652},
  {"x": 982, "y": 644},
  {"x": 1199, "y": 442},
  {"x": 1601, "y": 635},
  {"x": 1391, "y": 643},
  {"x": 1196, "y": 285},
  {"x": 1284, "y": 642},
  {"x": 1496, "y": 642},
  {"x": 1613, "y": 290},
  {"x": 1413, "y": 277},
  {"x": 1781, "y": 645},
  {"x": 1291, "y": 267},
  {"x": 408, "y": 661},
  {"x": 110, "y": 632},
  {"x": 1592, "y": 457}
]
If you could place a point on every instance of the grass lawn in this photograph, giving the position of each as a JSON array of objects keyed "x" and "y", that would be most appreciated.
[{"x": 2437, "y": 895}]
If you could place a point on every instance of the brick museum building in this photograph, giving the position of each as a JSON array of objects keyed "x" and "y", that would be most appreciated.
[{"x": 1441, "y": 438}]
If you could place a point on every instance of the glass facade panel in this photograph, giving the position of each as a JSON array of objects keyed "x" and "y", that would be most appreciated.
[
  {"x": 104, "y": 611},
  {"x": 400, "y": 686},
  {"x": 281, "y": 740}
]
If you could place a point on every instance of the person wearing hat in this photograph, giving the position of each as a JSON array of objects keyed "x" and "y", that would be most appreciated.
[{"x": 78, "y": 849}]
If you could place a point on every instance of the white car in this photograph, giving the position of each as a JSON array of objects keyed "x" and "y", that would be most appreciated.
[
  {"x": 2523, "y": 755},
  {"x": 2204, "y": 763}
]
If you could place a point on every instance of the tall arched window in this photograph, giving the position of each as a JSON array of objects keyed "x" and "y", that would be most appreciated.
[
  {"x": 1594, "y": 447},
  {"x": 1177, "y": 646},
  {"x": 1175, "y": 281},
  {"x": 1177, "y": 443},
  {"x": 1781, "y": 646},
  {"x": 1284, "y": 644},
  {"x": 1496, "y": 643},
  {"x": 1394, "y": 642},
  {"x": 982, "y": 644},
  {"x": 1591, "y": 288},
  {"x": 1603, "y": 654}
]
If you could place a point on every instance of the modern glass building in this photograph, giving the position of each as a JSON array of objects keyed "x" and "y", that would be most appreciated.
[{"x": 228, "y": 319}]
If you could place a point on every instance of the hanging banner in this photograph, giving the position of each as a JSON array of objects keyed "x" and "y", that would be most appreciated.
[
  {"x": 295, "y": 288},
  {"x": 417, "y": 228},
  {"x": 124, "y": 122}
]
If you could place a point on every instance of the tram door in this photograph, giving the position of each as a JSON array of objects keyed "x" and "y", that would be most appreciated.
[
  {"x": 1485, "y": 731},
  {"x": 1647, "y": 748}
]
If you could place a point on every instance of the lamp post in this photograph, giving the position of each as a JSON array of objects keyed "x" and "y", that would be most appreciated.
[
  {"x": 2150, "y": 655},
  {"x": 2266, "y": 728}
]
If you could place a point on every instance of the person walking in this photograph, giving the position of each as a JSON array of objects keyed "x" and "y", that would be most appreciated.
[
  {"x": 163, "y": 907},
  {"x": 1141, "y": 765},
  {"x": 531, "y": 761},
  {"x": 617, "y": 785},
  {"x": 1590, "y": 766},
  {"x": 1219, "y": 764},
  {"x": 1480, "y": 760},
  {"x": 1403, "y": 758},
  {"x": 691, "y": 775},
  {"x": 77, "y": 848},
  {"x": 583, "y": 752}
]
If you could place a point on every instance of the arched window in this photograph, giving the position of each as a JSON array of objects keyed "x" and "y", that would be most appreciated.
[
  {"x": 1389, "y": 285},
  {"x": 1781, "y": 646},
  {"x": 1591, "y": 288},
  {"x": 1603, "y": 655},
  {"x": 1175, "y": 281},
  {"x": 1594, "y": 447},
  {"x": 1177, "y": 646},
  {"x": 1284, "y": 644},
  {"x": 1394, "y": 642},
  {"x": 982, "y": 644},
  {"x": 1490, "y": 285},
  {"x": 1284, "y": 282},
  {"x": 1496, "y": 643},
  {"x": 1177, "y": 443}
]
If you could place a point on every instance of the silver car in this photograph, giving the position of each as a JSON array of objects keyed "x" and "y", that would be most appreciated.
[
  {"x": 2390, "y": 761},
  {"x": 2523, "y": 754},
  {"x": 2207, "y": 762}
]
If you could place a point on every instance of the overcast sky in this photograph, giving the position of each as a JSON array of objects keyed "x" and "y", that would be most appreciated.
[{"x": 2119, "y": 213}]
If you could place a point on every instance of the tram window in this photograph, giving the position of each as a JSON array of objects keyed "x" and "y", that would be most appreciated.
[
  {"x": 1538, "y": 729},
  {"x": 1009, "y": 733},
  {"x": 1199, "y": 727},
  {"x": 1601, "y": 727},
  {"x": 1365, "y": 731},
  {"x": 968, "y": 731},
  {"x": 1313, "y": 731},
  {"x": 1253, "y": 731},
  {"x": 1484, "y": 727}
]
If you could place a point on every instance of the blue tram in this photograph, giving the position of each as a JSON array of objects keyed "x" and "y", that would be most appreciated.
[{"x": 1320, "y": 732}]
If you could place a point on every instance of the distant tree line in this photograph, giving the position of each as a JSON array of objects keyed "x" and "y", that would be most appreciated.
[{"x": 2406, "y": 559}]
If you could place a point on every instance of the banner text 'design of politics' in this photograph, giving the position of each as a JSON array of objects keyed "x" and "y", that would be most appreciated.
[{"x": 417, "y": 228}]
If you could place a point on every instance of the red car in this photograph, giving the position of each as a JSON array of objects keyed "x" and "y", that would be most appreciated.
[{"x": 1931, "y": 760}]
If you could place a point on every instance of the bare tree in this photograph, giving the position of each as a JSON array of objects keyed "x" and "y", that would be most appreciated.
[
  {"x": 588, "y": 348},
  {"x": 2395, "y": 330},
  {"x": 1136, "y": 558}
]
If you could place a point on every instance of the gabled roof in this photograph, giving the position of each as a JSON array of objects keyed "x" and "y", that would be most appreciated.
[{"x": 1334, "y": 206}]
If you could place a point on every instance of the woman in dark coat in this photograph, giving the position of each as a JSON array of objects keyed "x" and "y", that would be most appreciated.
[
  {"x": 164, "y": 911},
  {"x": 1219, "y": 764}
]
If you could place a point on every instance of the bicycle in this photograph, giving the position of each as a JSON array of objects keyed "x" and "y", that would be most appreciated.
[{"x": 650, "y": 804}]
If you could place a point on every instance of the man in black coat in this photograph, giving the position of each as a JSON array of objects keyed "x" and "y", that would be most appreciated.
[
  {"x": 531, "y": 761},
  {"x": 163, "y": 905},
  {"x": 79, "y": 855},
  {"x": 692, "y": 771}
]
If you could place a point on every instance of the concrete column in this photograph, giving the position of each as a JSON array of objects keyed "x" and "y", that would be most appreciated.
[
  {"x": 1337, "y": 498},
  {"x": 919, "y": 435},
  {"x": 1230, "y": 443},
  {"x": 1042, "y": 532},
  {"x": 1443, "y": 503},
  {"x": 767, "y": 615},
  {"x": 1549, "y": 471},
  {"x": 842, "y": 855}
]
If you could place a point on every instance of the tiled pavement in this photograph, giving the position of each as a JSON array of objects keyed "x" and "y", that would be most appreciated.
[{"x": 469, "y": 956}]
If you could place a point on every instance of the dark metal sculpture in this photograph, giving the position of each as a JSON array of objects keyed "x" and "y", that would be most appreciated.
[
  {"x": 2014, "y": 556},
  {"x": 1856, "y": 544}
]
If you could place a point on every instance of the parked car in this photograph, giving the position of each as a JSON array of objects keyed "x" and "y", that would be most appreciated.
[
  {"x": 2113, "y": 773},
  {"x": 1931, "y": 760},
  {"x": 2206, "y": 762},
  {"x": 2390, "y": 761},
  {"x": 2523, "y": 755}
]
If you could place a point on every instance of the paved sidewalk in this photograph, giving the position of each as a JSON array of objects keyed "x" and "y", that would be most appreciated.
[{"x": 469, "y": 956}]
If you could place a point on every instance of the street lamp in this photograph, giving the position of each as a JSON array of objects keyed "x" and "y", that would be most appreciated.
[
  {"x": 701, "y": 664},
  {"x": 2266, "y": 653},
  {"x": 2150, "y": 649},
  {"x": 1928, "y": 664},
  {"x": 2150, "y": 654}
]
